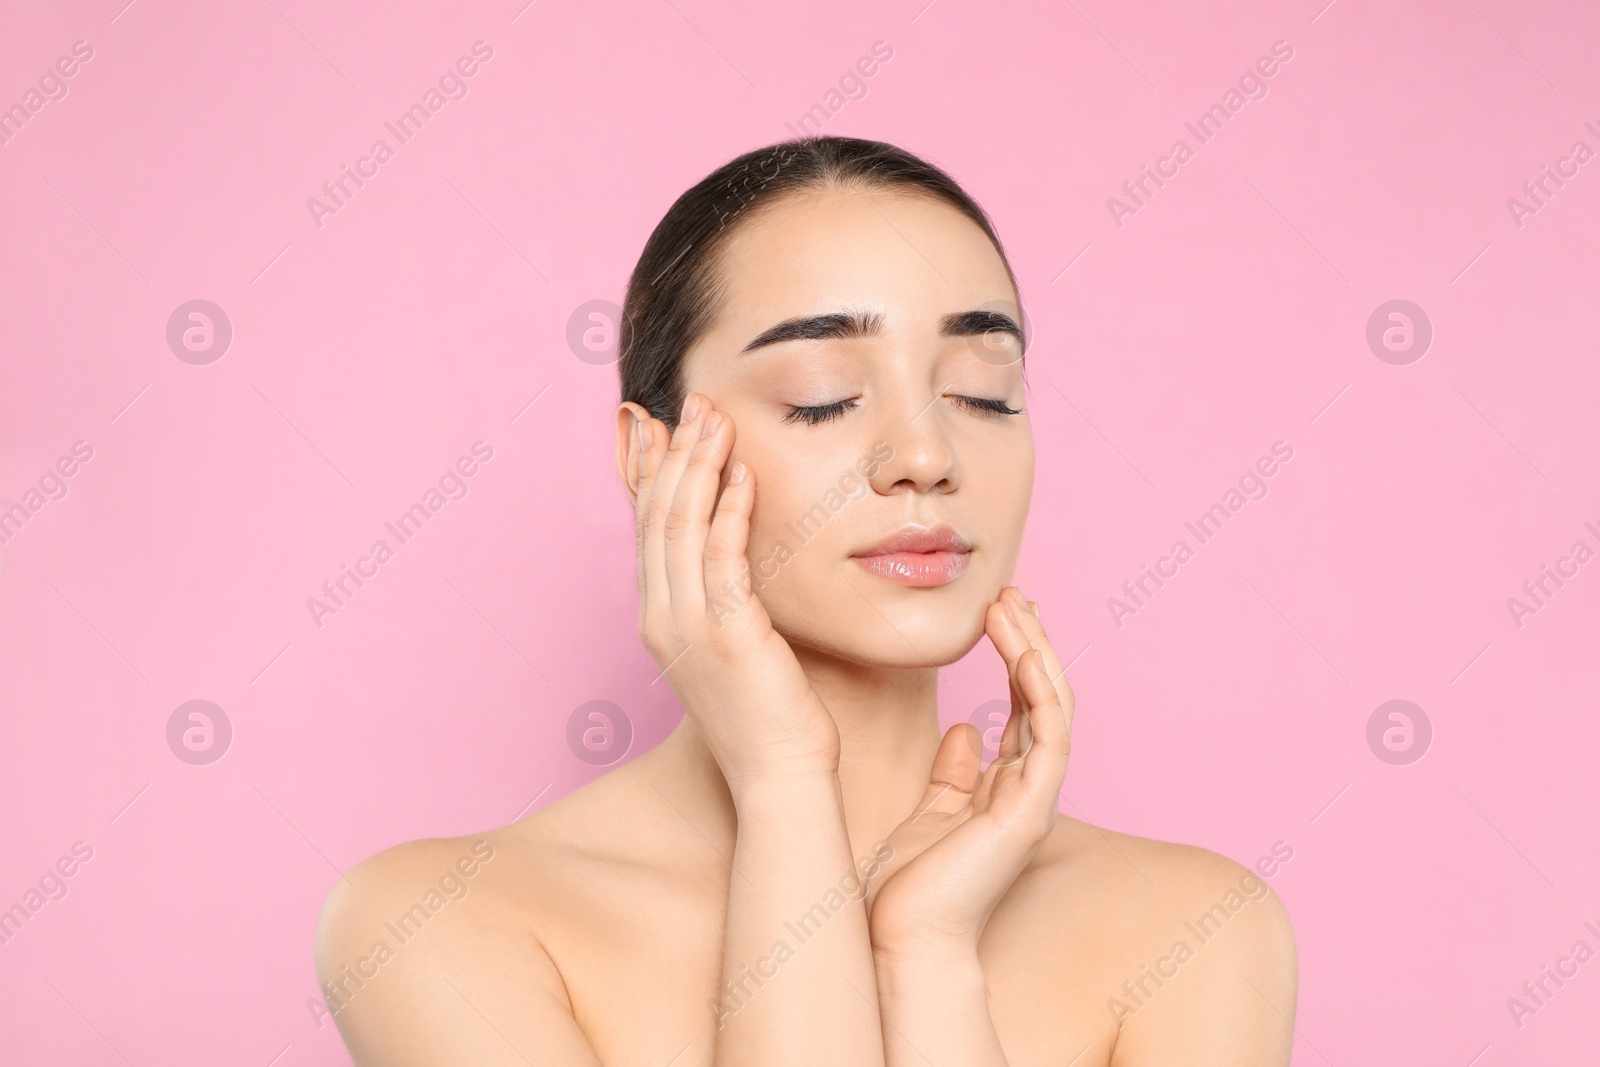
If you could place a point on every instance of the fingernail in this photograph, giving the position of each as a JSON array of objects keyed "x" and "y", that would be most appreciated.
[
  {"x": 711, "y": 425},
  {"x": 644, "y": 435},
  {"x": 737, "y": 475},
  {"x": 691, "y": 408},
  {"x": 1011, "y": 613},
  {"x": 1033, "y": 606}
]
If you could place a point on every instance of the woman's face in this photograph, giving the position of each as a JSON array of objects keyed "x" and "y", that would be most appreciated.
[{"x": 862, "y": 352}]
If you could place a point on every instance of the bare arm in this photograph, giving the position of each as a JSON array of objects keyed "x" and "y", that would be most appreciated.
[
  {"x": 961, "y": 851},
  {"x": 797, "y": 962},
  {"x": 1230, "y": 1005}
]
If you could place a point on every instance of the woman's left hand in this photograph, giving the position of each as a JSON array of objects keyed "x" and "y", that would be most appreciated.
[{"x": 956, "y": 855}]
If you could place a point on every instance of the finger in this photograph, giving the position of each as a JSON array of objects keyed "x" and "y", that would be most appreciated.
[
  {"x": 652, "y": 450},
  {"x": 689, "y": 518},
  {"x": 664, "y": 485},
  {"x": 1006, "y": 634},
  {"x": 954, "y": 774},
  {"x": 1033, "y": 630},
  {"x": 946, "y": 803},
  {"x": 643, "y": 460},
  {"x": 1013, "y": 739},
  {"x": 653, "y": 437},
  {"x": 1026, "y": 616},
  {"x": 1046, "y": 763},
  {"x": 727, "y": 570},
  {"x": 1031, "y": 797}
]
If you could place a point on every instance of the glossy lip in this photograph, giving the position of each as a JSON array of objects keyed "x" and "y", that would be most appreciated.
[{"x": 918, "y": 556}]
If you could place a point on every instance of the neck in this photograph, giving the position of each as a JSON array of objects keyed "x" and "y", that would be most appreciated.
[{"x": 888, "y": 733}]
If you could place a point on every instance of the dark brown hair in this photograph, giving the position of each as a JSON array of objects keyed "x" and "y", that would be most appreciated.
[{"x": 675, "y": 291}]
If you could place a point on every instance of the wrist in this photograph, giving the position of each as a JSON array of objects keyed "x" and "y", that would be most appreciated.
[
  {"x": 787, "y": 788},
  {"x": 913, "y": 956},
  {"x": 948, "y": 975}
]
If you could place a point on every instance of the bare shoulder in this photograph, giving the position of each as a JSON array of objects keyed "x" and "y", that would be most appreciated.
[
  {"x": 1191, "y": 952},
  {"x": 385, "y": 905},
  {"x": 435, "y": 950},
  {"x": 1138, "y": 880}
]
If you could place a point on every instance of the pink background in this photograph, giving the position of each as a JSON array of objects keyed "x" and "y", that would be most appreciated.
[{"x": 369, "y": 353}]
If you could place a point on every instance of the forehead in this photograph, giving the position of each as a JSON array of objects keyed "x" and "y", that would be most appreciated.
[{"x": 877, "y": 248}]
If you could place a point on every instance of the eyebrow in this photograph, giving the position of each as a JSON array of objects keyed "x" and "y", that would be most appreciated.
[{"x": 841, "y": 325}]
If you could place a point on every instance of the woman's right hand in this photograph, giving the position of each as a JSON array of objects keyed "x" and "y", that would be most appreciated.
[
  {"x": 973, "y": 833},
  {"x": 699, "y": 615}
]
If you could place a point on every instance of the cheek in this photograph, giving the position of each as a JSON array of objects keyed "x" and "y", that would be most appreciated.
[
  {"x": 780, "y": 497},
  {"x": 802, "y": 523},
  {"x": 1024, "y": 488},
  {"x": 792, "y": 474},
  {"x": 1001, "y": 473},
  {"x": 1003, "y": 495}
]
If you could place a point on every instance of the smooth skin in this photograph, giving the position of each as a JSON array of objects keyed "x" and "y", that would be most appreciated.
[{"x": 657, "y": 916}]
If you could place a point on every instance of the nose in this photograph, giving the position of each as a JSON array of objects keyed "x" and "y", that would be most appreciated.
[{"x": 923, "y": 456}]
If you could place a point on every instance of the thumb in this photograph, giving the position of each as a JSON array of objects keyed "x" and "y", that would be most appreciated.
[
  {"x": 951, "y": 781},
  {"x": 956, "y": 769}
]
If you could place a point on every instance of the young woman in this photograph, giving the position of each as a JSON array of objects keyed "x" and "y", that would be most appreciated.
[{"x": 825, "y": 436}]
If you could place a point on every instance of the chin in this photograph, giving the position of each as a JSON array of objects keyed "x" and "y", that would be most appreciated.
[{"x": 895, "y": 627}]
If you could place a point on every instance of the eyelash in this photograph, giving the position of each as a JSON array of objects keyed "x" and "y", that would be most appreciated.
[
  {"x": 811, "y": 416},
  {"x": 822, "y": 413}
]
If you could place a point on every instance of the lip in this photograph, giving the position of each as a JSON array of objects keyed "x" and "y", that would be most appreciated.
[{"x": 918, "y": 556}]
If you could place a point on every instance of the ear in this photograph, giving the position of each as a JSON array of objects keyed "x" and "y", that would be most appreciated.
[{"x": 629, "y": 416}]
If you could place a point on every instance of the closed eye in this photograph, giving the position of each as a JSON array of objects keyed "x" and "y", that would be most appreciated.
[
  {"x": 820, "y": 413},
  {"x": 985, "y": 406}
]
